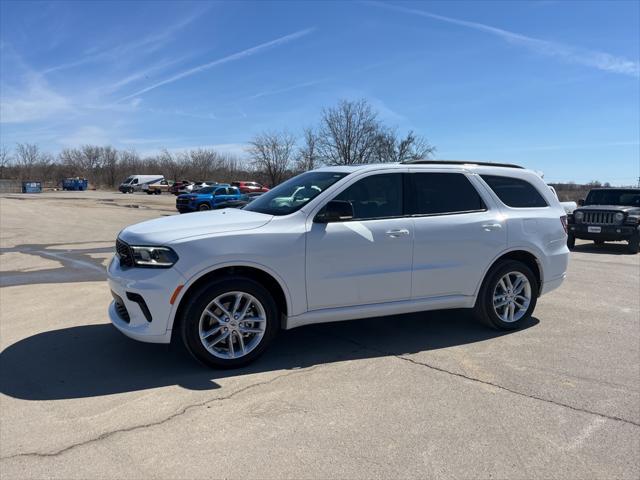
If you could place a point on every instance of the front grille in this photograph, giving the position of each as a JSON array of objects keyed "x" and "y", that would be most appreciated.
[
  {"x": 124, "y": 253},
  {"x": 599, "y": 218},
  {"x": 120, "y": 308}
]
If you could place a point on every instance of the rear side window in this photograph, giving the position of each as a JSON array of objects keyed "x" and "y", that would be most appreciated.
[
  {"x": 515, "y": 192},
  {"x": 376, "y": 196},
  {"x": 439, "y": 193}
]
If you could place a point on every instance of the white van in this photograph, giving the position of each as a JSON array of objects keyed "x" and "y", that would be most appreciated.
[{"x": 134, "y": 183}]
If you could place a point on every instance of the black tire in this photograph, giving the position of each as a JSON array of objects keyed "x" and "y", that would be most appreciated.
[
  {"x": 634, "y": 244},
  {"x": 599, "y": 243},
  {"x": 149, "y": 192},
  {"x": 484, "y": 309},
  {"x": 190, "y": 320},
  {"x": 571, "y": 241},
  {"x": 157, "y": 192},
  {"x": 130, "y": 190},
  {"x": 204, "y": 207}
]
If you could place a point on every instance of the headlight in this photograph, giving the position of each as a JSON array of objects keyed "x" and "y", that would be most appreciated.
[
  {"x": 619, "y": 217},
  {"x": 161, "y": 257},
  {"x": 578, "y": 216}
]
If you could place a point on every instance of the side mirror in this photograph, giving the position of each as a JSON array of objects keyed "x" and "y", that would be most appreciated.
[
  {"x": 335, "y": 211},
  {"x": 581, "y": 202}
]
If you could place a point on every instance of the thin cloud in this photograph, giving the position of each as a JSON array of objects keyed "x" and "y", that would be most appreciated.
[
  {"x": 290, "y": 88},
  {"x": 230, "y": 58},
  {"x": 148, "y": 44},
  {"x": 590, "y": 58}
]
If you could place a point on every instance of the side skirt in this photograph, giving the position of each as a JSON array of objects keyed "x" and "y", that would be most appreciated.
[{"x": 378, "y": 310}]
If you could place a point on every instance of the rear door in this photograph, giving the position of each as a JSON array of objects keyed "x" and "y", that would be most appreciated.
[
  {"x": 367, "y": 259},
  {"x": 457, "y": 233}
]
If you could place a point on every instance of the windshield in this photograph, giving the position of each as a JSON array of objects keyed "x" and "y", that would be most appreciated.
[
  {"x": 294, "y": 194},
  {"x": 206, "y": 189},
  {"x": 614, "y": 197},
  {"x": 128, "y": 180}
]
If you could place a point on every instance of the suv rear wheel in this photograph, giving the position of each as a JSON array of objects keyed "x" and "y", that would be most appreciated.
[
  {"x": 508, "y": 295},
  {"x": 230, "y": 322}
]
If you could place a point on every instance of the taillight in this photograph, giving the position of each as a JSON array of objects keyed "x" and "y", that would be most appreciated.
[{"x": 563, "y": 220}]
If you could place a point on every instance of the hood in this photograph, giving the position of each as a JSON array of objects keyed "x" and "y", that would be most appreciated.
[
  {"x": 164, "y": 230},
  {"x": 608, "y": 208}
]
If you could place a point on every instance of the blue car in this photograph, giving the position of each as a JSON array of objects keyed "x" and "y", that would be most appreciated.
[{"x": 209, "y": 198}]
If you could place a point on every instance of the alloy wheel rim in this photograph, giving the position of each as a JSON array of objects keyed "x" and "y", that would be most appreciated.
[
  {"x": 512, "y": 297},
  {"x": 232, "y": 325}
]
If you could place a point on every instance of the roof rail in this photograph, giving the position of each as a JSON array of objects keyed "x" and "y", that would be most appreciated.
[{"x": 459, "y": 162}]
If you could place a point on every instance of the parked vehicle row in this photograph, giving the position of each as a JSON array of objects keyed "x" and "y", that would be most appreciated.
[
  {"x": 157, "y": 184},
  {"x": 341, "y": 243}
]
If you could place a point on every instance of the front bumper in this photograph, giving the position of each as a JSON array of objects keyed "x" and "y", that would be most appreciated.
[
  {"x": 607, "y": 232},
  {"x": 155, "y": 286}
]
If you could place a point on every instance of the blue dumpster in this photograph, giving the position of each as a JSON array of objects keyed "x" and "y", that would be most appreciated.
[
  {"x": 75, "y": 183},
  {"x": 31, "y": 187}
]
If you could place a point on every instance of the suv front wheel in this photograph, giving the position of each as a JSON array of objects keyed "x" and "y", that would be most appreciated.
[
  {"x": 230, "y": 322},
  {"x": 508, "y": 295}
]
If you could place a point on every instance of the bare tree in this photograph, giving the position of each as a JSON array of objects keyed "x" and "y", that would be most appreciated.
[
  {"x": 27, "y": 156},
  {"x": 5, "y": 160},
  {"x": 271, "y": 154},
  {"x": 109, "y": 166},
  {"x": 348, "y": 133},
  {"x": 391, "y": 148},
  {"x": 308, "y": 156},
  {"x": 203, "y": 162}
]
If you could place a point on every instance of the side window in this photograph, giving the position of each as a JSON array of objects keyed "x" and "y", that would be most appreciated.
[
  {"x": 376, "y": 196},
  {"x": 439, "y": 193},
  {"x": 515, "y": 192},
  {"x": 220, "y": 191},
  {"x": 135, "y": 180}
]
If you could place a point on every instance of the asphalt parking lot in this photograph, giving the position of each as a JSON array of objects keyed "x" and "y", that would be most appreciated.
[{"x": 412, "y": 396}]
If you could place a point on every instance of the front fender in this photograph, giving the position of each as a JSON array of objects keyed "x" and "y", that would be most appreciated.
[{"x": 205, "y": 271}]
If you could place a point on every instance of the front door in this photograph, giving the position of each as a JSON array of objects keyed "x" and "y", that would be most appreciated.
[{"x": 367, "y": 259}]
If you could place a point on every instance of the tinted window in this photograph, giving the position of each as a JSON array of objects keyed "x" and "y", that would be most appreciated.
[
  {"x": 376, "y": 196},
  {"x": 434, "y": 193},
  {"x": 221, "y": 191},
  {"x": 515, "y": 192}
]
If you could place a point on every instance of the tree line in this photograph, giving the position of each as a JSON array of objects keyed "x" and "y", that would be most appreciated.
[{"x": 348, "y": 133}]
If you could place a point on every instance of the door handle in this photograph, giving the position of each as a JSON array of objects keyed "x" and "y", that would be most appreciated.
[
  {"x": 491, "y": 226},
  {"x": 400, "y": 232}
]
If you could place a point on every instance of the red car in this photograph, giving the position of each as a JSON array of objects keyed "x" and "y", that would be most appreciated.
[
  {"x": 180, "y": 187},
  {"x": 250, "y": 187}
]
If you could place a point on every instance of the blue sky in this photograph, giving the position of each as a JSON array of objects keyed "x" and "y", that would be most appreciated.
[{"x": 552, "y": 85}]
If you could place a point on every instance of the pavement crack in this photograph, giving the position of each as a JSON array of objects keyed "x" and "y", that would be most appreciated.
[
  {"x": 143, "y": 426},
  {"x": 486, "y": 382}
]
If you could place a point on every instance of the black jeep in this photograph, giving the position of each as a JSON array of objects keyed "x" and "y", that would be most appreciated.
[{"x": 607, "y": 214}]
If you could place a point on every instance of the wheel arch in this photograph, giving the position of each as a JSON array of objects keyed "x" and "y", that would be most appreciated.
[
  {"x": 525, "y": 256},
  {"x": 270, "y": 280}
]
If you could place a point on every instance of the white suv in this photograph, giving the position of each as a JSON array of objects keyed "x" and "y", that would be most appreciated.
[{"x": 341, "y": 243}]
